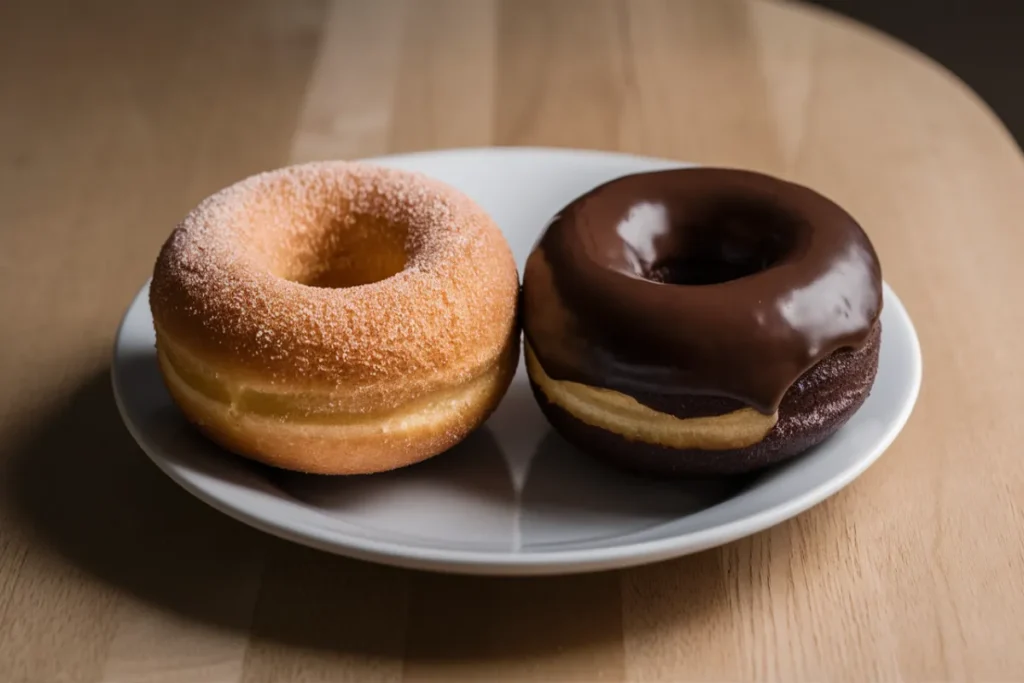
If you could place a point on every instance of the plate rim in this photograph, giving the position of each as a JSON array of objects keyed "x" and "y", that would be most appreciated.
[{"x": 510, "y": 563}]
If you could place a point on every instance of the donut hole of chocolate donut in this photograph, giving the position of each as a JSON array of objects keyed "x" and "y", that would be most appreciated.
[
  {"x": 723, "y": 240},
  {"x": 348, "y": 251}
]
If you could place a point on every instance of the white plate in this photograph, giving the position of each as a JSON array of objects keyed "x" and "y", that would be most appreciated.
[{"x": 513, "y": 498}]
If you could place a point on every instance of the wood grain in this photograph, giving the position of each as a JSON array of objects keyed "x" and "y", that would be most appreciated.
[
  {"x": 117, "y": 116},
  {"x": 124, "y": 115}
]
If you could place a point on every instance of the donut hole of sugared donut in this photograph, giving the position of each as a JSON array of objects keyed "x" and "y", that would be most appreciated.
[
  {"x": 356, "y": 250},
  {"x": 326, "y": 244}
]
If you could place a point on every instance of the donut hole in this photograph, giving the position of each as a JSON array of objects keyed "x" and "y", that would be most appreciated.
[
  {"x": 361, "y": 250},
  {"x": 722, "y": 241},
  {"x": 347, "y": 251}
]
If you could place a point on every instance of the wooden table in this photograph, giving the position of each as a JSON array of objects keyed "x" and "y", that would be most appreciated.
[{"x": 116, "y": 117}]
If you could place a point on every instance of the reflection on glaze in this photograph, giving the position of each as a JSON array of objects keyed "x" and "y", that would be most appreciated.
[
  {"x": 640, "y": 229},
  {"x": 698, "y": 282},
  {"x": 837, "y": 304}
]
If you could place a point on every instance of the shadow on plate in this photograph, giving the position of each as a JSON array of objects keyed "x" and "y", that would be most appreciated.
[
  {"x": 81, "y": 492},
  {"x": 571, "y": 497},
  {"x": 425, "y": 504}
]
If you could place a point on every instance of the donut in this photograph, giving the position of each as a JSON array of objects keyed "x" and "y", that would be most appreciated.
[
  {"x": 336, "y": 318},
  {"x": 701, "y": 321}
]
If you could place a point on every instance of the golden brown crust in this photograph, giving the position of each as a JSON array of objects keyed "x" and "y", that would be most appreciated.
[
  {"x": 374, "y": 443},
  {"x": 235, "y": 309}
]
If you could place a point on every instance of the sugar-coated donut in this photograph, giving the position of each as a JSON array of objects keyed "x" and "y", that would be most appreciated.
[
  {"x": 336, "y": 317},
  {"x": 701, "y": 321}
]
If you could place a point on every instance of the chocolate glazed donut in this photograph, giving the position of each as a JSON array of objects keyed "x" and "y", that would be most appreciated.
[{"x": 701, "y": 321}]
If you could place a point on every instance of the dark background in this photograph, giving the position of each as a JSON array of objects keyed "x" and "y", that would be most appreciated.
[{"x": 981, "y": 41}]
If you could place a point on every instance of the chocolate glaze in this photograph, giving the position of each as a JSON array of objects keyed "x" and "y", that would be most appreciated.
[
  {"x": 818, "y": 404},
  {"x": 710, "y": 282}
]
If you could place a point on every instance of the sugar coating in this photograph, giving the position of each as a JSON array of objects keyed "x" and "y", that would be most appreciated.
[{"x": 225, "y": 287}]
